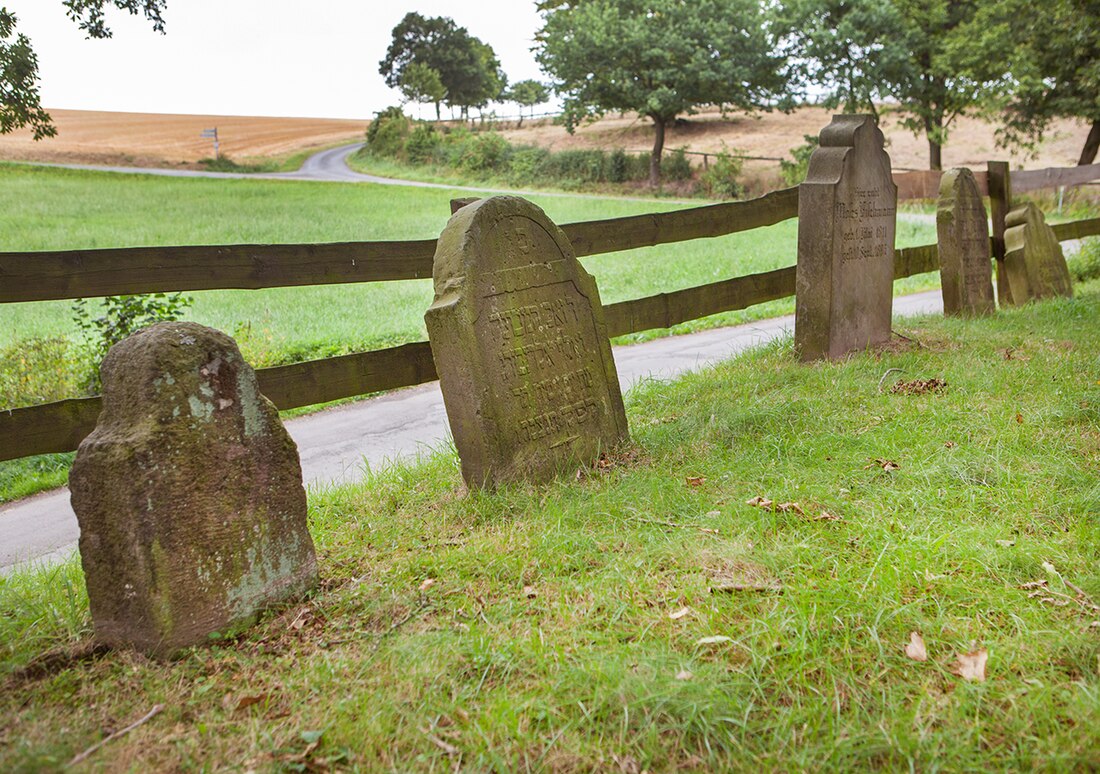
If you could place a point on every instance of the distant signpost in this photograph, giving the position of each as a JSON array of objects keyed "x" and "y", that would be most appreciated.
[{"x": 212, "y": 134}]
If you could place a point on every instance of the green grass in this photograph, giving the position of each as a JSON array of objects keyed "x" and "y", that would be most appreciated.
[{"x": 547, "y": 640}]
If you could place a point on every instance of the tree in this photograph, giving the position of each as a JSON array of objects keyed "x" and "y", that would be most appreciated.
[
  {"x": 907, "y": 52},
  {"x": 1052, "y": 55},
  {"x": 20, "y": 100},
  {"x": 527, "y": 94},
  {"x": 468, "y": 68},
  {"x": 421, "y": 83},
  {"x": 661, "y": 58}
]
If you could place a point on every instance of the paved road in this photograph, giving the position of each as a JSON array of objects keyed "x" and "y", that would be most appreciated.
[{"x": 335, "y": 445}]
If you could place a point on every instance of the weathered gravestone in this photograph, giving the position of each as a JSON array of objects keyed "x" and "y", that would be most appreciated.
[
  {"x": 1034, "y": 264},
  {"x": 845, "y": 276},
  {"x": 520, "y": 345},
  {"x": 188, "y": 493},
  {"x": 966, "y": 264}
]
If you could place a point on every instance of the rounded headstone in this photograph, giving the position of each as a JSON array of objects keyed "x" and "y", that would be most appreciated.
[{"x": 188, "y": 493}]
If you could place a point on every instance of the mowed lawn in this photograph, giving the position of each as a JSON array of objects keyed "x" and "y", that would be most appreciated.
[
  {"x": 642, "y": 615},
  {"x": 51, "y": 209}
]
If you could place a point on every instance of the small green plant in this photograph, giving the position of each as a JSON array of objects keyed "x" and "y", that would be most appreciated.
[
  {"x": 794, "y": 172},
  {"x": 120, "y": 316},
  {"x": 722, "y": 177}
]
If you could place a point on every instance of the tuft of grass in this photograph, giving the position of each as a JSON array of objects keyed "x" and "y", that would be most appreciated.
[{"x": 575, "y": 626}]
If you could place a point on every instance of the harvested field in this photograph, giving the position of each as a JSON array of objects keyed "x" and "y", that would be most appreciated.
[{"x": 148, "y": 139}]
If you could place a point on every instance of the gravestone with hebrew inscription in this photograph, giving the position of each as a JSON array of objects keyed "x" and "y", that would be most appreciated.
[
  {"x": 520, "y": 345},
  {"x": 1034, "y": 264},
  {"x": 188, "y": 493},
  {"x": 966, "y": 263},
  {"x": 846, "y": 214}
]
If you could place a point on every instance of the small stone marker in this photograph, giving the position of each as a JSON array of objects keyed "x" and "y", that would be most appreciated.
[
  {"x": 1034, "y": 264},
  {"x": 844, "y": 286},
  {"x": 188, "y": 493},
  {"x": 966, "y": 264},
  {"x": 520, "y": 345}
]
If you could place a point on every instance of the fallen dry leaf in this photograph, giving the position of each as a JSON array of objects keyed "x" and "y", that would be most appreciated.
[
  {"x": 714, "y": 640},
  {"x": 826, "y": 516},
  {"x": 530, "y": 592},
  {"x": 696, "y": 480},
  {"x": 683, "y": 674},
  {"x": 676, "y": 615},
  {"x": 919, "y": 387},
  {"x": 950, "y": 444},
  {"x": 784, "y": 507},
  {"x": 759, "y": 502},
  {"x": 427, "y": 584},
  {"x": 915, "y": 649},
  {"x": 971, "y": 666},
  {"x": 886, "y": 465},
  {"x": 1034, "y": 585},
  {"x": 1019, "y": 419}
]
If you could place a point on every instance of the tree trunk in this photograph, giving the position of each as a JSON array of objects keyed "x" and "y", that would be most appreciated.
[
  {"x": 437, "y": 112},
  {"x": 933, "y": 127},
  {"x": 1092, "y": 145},
  {"x": 658, "y": 148}
]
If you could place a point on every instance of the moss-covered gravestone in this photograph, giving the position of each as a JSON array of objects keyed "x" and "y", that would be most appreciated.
[
  {"x": 520, "y": 345},
  {"x": 188, "y": 493},
  {"x": 844, "y": 286},
  {"x": 1034, "y": 265},
  {"x": 966, "y": 264}
]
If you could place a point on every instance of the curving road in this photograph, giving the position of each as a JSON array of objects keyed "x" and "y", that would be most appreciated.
[{"x": 340, "y": 444}]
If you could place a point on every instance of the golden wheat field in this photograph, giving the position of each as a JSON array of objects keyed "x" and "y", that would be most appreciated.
[{"x": 148, "y": 139}]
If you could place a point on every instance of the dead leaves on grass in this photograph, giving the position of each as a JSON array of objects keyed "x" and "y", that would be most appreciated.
[
  {"x": 915, "y": 649},
  {"x": 971, "y": 666},
  {"x": 919, "y": 387},
  {"x": 879, "y": 462},
  {"x": 789, "y": 507}
]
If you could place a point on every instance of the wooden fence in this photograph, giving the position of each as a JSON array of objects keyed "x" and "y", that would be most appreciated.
[{"x": 41, "y": 276}]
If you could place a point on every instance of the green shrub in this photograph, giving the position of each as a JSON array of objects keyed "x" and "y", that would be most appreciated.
[
  {"x": 794, "y": 172},
  {"x": 676, "y": 166},
  {"x": 527, "y": 164},
  {"x": 1085, "y": 265},
  {"x": 583, "y": 166},
  {"x": 722, "y": 177},
  {"x": 618, "y": 167},
  {"x": 387, "y": 133},
  {"x": 121, "y": 316},
  {"x": 486, "y": 152},
  {"x": 421, "y": 146}
]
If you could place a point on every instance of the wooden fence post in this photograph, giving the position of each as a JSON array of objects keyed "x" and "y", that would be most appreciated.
[{"x": 1000, "y": 202}]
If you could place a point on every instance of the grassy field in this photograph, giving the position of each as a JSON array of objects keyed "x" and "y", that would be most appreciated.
[
  {"x": 61, "y": 209},
  {"x": 641, "y": 615}
]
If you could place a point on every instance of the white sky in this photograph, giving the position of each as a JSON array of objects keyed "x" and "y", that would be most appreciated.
[{"x": 314, "y": 58}]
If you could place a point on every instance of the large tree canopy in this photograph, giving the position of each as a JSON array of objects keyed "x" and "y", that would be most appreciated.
[
  {"x": 20, "y": 100},
  {"x": 660, "y": 58},
  {"x": 468, "y": 68},
  {"x": 1052, "y": 57},
  {"x": 913, "y": 55}
]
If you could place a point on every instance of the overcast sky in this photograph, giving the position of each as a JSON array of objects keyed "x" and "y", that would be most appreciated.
[{"x": 317, "y": 58}]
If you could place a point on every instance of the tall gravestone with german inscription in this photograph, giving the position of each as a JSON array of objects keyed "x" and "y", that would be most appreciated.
[
  {"x": 520, "y": 345},
  {"x": 966, "y": 263},
  {"x": 1034, "y": 264},
  {"x": 188, "y": 494},
  {"x": 846, "y": 216}
]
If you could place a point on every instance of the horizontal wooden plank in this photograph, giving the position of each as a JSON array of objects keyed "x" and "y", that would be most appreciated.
[
  {"x": 925, "y": 184},
  {"x": 713, "y": 220},
  {"x": 61, "y": 426},
  {"x": 667, "y": 309},
  {"x": 43, "y": 276},
  {"x": 319, "y": 381},
  {"x": 909, "y": 261},
  {"x": 1053, "y": 177},
  {"x": 1077, "y": 229}
]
